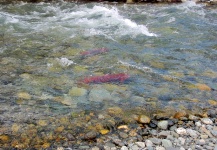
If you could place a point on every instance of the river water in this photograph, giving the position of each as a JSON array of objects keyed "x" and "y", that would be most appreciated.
[{"x": 169, "y": 53}]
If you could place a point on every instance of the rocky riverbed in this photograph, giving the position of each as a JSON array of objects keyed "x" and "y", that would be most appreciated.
[{"x": 115, "y": 128}]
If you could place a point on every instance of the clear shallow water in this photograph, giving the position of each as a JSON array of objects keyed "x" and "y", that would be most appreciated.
[{"x": 169, "y": 51}]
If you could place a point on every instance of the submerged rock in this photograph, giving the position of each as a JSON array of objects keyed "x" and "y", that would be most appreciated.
[
  {"x": 75, "y": 91},
  {"x": 99, "y": 95}
]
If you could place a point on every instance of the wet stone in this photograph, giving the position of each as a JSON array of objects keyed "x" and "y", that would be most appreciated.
[
  {"x": 163, "y": 124},
  {"x": 166, "y": 143},
  {"x": 90, "y": 135},
  {"x": 144, "y": 119},
  {"x": 123, "y": 135}
]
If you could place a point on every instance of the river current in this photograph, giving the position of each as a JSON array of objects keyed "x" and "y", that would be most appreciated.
[{"x": 168, "y": 51}]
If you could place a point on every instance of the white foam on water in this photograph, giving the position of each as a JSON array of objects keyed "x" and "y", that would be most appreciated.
[
  {"x": 192, "y": 6},
  {"x": 106, "y": 21}
]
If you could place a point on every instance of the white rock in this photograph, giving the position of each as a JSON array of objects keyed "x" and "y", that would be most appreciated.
[
  {"x": 140, "y": 144},
  {"x": 182, "y": 140},
  {"x": 198, "y": 124},
  {"x": 124, "y": 148},
  {"x": 160, "y": 148},
  {"x": 163, "y": 124},
  {"x": 95, "y": 148},
  {"x": 206, "y": 121},
  {"x": 148, "y": 143},
  {"x": 182, "y": 148},
  {"x": 166, "y": 143},
  {"x": 192, "y": 133},
  {"x": 181, "y": 131}
]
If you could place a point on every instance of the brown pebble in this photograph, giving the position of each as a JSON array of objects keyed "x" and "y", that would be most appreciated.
[
  {"x": 90, "y": 135},
  {"x": 179, "y": 114},
  {"x": 144, "y": 119}
]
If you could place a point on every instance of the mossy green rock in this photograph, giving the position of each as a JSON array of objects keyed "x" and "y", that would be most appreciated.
[{"x": 75, "y": 91}]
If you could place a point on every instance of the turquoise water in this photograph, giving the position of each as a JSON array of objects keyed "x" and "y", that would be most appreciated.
[{"x": 169, "y": 52}]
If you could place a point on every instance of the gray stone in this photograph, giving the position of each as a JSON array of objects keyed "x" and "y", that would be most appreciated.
[
  {"x": 99, "y": 95},
  {"x": 134, "y": 147},
  {"x": 164, "y": 134},
  {"x": 148, "y": 143},
  {"x": 198, "y": 147},
  {"x": 163, "y": 124},
  {"x": 95, "y": 148},
  {"x": 192, "y": 133},
  {"x": 211, "y": 144},
  {"x": 206, "y": 121},
  {"x": 124, "y": 148},
  {"x": 150, "y": 148},
  {"x": 214, "y": 133},
  {"x": 170, "y": 137},
  {"x": 84, "y": 147},
  {"x": 192, "y": 117},
  {"x": 155, "y": 141},
  {"x": 123, "y": 135},
  {"x": 204, "y": 136},
  {"x": 140, "y": 144},
  {"x": 118, "y": 142},
  {"x": 198, "y": 124},
  {"x": 160, "y": 148},
  {"x": 181, "y": 140},
  {"x": 215, "y": 148},
  {"x": 208, "y": 147},
  {"x": 166, "y": 143},
  {"x": 201, "y": 142},
  {"x": 172, "y": 148},
  {"x": 174, "y": 134},
  {"x": 182, "y": 148}
]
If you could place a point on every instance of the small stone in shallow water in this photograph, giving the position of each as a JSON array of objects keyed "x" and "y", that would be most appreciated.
[
  {"x": 90, "y": 135},
  {"x": 123, "y": 135},
  {"x": 192, "y": 117},
  {"x": 104, "y": 131},
  {"x": 203, "y": 87},
  {"x": 23, "y": 95},
  {"x": 75, "y": 91},
  {"x": 206, "y": 121},
  {"x": 144, "y": 119},
  {"x": 163, "y": 124},
  {"x": 179, "y": 114},
  {"x": 212, "y": 102}
]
